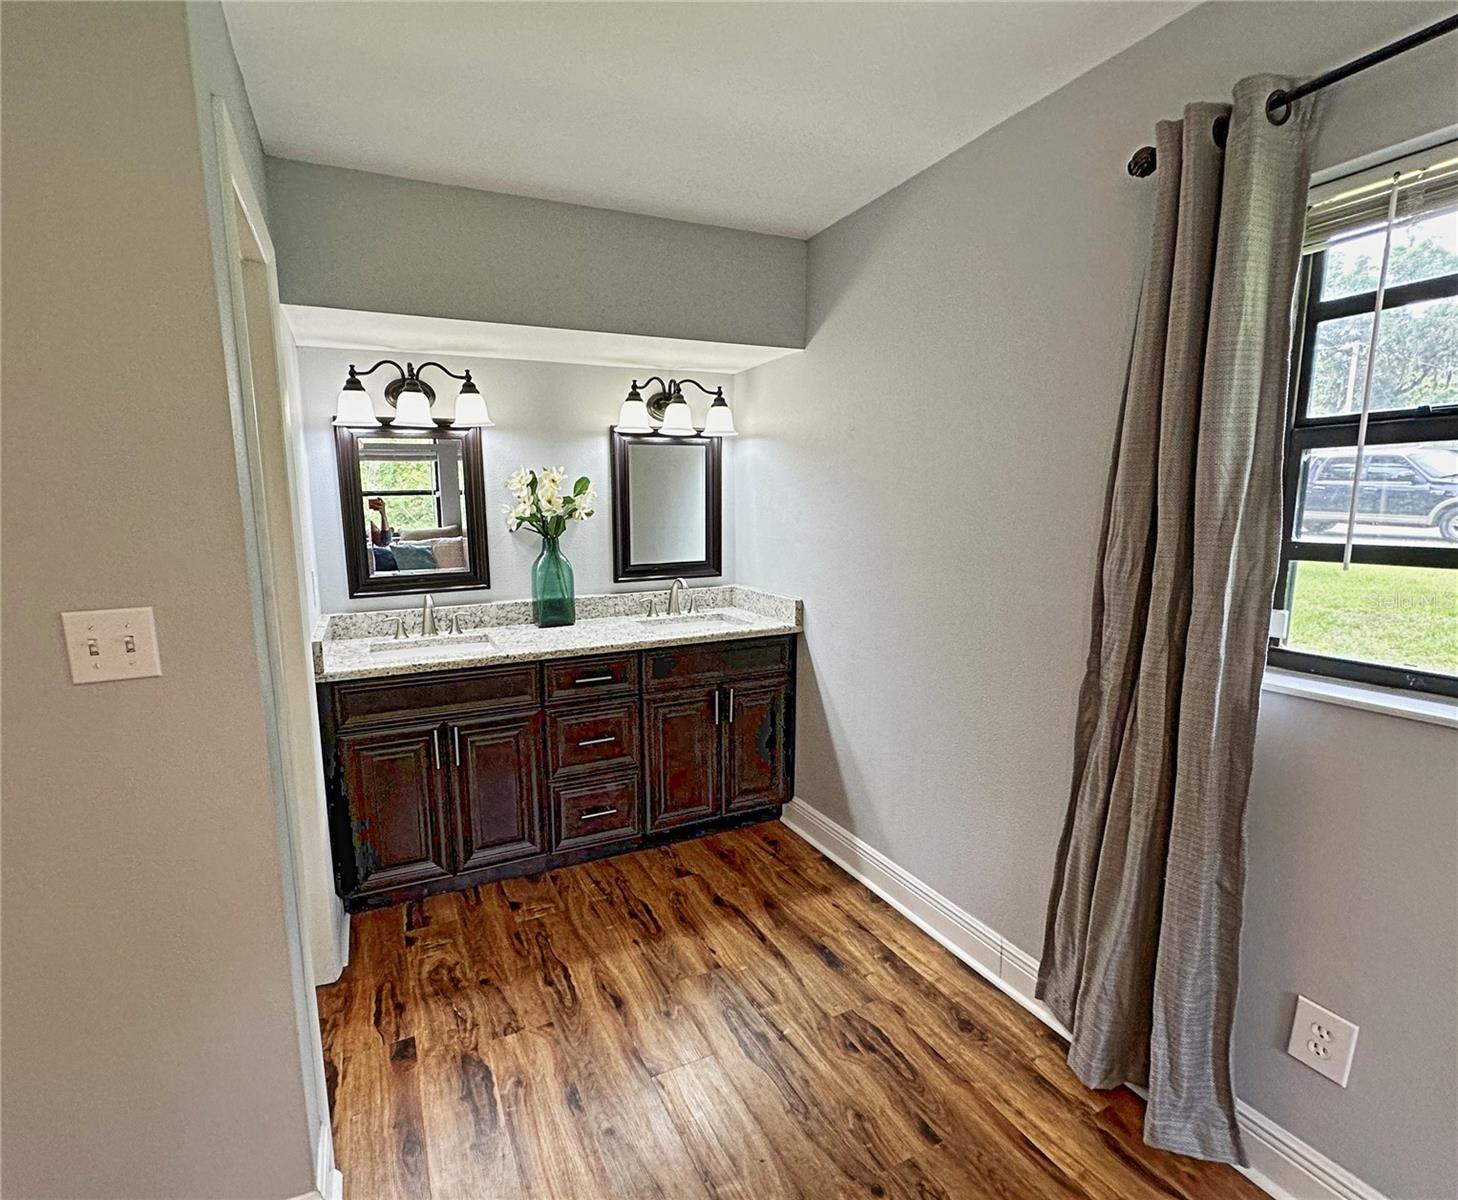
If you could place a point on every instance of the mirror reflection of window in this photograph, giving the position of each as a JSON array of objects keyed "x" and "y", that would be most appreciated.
[
  {"x": 413, "y": 492},
  {"x": 666, "y": 501}
]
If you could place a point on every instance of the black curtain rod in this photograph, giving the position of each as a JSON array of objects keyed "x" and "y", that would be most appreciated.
[{"x": 1279, "y": 102}]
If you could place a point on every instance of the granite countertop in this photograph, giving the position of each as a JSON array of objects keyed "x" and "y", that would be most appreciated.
[{"x": 343, "y": 641}]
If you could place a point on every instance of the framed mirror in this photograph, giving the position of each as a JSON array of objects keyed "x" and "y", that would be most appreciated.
[
  {"x": 667, "y": 506},
  {"x": 413, "y": 505}
]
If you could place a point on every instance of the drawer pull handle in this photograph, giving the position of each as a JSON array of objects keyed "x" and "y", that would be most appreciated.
[
  {"x": 585, "y": 679},
  {"x": 598, "y": 812},
  {"x": 435, "y": 747},
  {"x": 598, "y": 741},
  {"x": 731, "y": 706}
]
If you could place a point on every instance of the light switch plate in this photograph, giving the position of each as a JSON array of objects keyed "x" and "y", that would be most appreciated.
[
  {"x": 1322, "y": 1040},
  {"x": 106, "y": 644}
]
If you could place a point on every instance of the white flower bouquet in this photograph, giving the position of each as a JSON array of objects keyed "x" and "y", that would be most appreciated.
[{"x": 539, "y": 502}]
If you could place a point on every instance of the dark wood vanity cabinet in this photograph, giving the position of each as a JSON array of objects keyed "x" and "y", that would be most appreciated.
[
  {"x": 454, "y": 778},
  {"x": 397, "y": 799},
  {"x": 496, "y": 791}
]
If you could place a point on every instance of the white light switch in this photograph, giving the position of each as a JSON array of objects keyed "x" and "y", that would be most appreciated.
[{"x": 111, "y": 643}]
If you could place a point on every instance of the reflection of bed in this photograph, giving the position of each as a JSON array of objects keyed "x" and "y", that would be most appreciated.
[{"x": 436, "y": 549}]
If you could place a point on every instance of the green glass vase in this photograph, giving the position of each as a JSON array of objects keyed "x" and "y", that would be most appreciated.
[{"x": 554, "y": 600}]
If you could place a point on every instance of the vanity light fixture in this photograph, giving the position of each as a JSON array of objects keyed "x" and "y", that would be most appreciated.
[
  {"x": 667, "y": 412},
  {"x": 412, "y": 399}
]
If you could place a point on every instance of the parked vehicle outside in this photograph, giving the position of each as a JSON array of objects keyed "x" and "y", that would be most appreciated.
[{"x": 1408, "y": 488}]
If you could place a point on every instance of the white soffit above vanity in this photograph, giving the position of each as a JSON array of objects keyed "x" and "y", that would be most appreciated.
[
  {"x": 344, "y": 329},
  {"x": 775, "y": 117}
]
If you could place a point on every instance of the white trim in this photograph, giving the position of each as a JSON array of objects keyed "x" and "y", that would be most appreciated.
[
  {"x": 1282, "y": 1165},
  {"x": 328, "y": 1180},
  {"x": 1285, "y": 1166},
  {"x": 233, "y": 206},
  {"x": 1392, "y": 702}
]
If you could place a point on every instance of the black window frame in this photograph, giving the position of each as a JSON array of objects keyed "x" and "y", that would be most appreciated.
[{"x": 1419, "y": 424}]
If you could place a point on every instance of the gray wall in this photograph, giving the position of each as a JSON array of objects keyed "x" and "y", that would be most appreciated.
[
  {"x": 546, "y": 414},
  {"x": 149, "y": 1037},
  {"x": 376, "y": 243},
  {"x": 952, "y": 418}
]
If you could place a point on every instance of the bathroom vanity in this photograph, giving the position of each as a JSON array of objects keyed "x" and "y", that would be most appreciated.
[{"x": 502, "y": 749}]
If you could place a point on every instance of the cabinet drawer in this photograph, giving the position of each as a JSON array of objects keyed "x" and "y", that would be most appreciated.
[
  {"x": 592, "y": 678},
  {"x": 595, "y": 811},
  {"x": 602, "y": 735},
  {"x": 684, "y": 666},
  {"x": 372, "y": 702}
]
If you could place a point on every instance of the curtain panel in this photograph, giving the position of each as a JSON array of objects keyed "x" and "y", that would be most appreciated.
[{"x": 1141, "y": 949}]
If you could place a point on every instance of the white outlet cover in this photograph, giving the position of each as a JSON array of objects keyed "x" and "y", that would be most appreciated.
[
  {"x": 107, "y": 644},
  {"x": 1322, "y": 1040}
]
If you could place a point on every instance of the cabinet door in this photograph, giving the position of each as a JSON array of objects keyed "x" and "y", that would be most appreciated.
[
  {"x": 683, "y": 757},
  {"x": 497, "y": 793},
  {"x": 754, "y": 745},
  {"x": 395, "y": 799}
]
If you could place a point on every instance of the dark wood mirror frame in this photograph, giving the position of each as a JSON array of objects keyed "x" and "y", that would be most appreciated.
[
  {"x": 361, "y": 581},
  {"x": 624, "y": 568}
]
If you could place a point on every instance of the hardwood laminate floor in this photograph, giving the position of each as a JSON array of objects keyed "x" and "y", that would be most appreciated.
[{"x": 729, "y": 1017}]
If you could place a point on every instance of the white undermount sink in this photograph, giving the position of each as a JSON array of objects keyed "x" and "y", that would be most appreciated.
[
  {"x": 474, "y": 640},
  {"x": 698, "y": 620}
]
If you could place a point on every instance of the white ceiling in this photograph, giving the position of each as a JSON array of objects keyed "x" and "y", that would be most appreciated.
[{"x": 776, "y": 117}]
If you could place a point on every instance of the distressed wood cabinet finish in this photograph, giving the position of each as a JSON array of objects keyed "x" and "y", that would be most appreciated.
[{"x": 447, "y": 779}]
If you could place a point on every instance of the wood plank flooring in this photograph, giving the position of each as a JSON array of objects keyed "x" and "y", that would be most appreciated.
[{"x": 733, "y": 1017}]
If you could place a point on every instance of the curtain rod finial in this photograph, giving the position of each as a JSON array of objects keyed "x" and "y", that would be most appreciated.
[{"x": 1141, "y": 166}]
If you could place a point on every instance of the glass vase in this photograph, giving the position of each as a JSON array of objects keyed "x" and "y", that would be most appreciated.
[{"x": 554, "y": 600}]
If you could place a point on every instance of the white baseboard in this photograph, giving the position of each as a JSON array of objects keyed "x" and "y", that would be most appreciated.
[
  {"x": 1281, "y": 1163},
  {"x": 328, "y": 1181}
]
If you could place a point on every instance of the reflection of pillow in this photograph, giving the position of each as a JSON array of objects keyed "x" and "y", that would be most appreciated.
[
  {"x": 384, "y": 559},
  {"x": 450, "y": 553},
  {"x": 412, "y": 556},
  {"x": 428, "y": 535}
]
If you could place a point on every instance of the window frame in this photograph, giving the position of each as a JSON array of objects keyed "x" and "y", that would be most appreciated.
[{"x": 1386, "y": 428}]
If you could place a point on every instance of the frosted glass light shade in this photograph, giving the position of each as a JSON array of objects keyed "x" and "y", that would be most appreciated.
[
  {"x": 678, "y": 421},
  {"x": 720, "y": 421},
  {"x": 471, "y": 407},
  {"x": 354, "y": 406},
  {"x": 633, "y": 417},
  {"x": 412, "y": 409}
]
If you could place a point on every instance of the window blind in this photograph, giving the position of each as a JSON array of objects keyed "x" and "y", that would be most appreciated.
[{"x": 1421, "y": 191}]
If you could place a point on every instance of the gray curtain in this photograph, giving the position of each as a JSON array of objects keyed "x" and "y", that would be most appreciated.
[{"x": 1141, "y": 952}]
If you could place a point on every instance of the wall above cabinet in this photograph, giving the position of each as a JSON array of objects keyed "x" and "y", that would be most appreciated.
[{"x": 348, "y": 329}]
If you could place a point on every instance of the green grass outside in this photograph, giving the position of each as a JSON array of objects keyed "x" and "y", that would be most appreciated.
[{"x": 1405, "y": 616}]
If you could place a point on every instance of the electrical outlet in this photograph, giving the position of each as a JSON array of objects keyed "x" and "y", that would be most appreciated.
[
  {"x": 1322, "y": 1040},
  {"x": 111, "y": 643}
]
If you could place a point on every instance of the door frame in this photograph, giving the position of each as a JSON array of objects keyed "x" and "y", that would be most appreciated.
[{"x": 258, "y": 399}]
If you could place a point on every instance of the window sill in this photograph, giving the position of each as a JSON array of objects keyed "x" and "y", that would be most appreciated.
[{"x": 1434, "y": 710}]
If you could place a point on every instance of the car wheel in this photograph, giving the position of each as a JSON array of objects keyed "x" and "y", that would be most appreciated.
[{"x": 1448, "y": 524}]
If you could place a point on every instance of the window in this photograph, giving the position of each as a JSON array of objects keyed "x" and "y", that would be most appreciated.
[{"x": 1392, "y": 618}]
